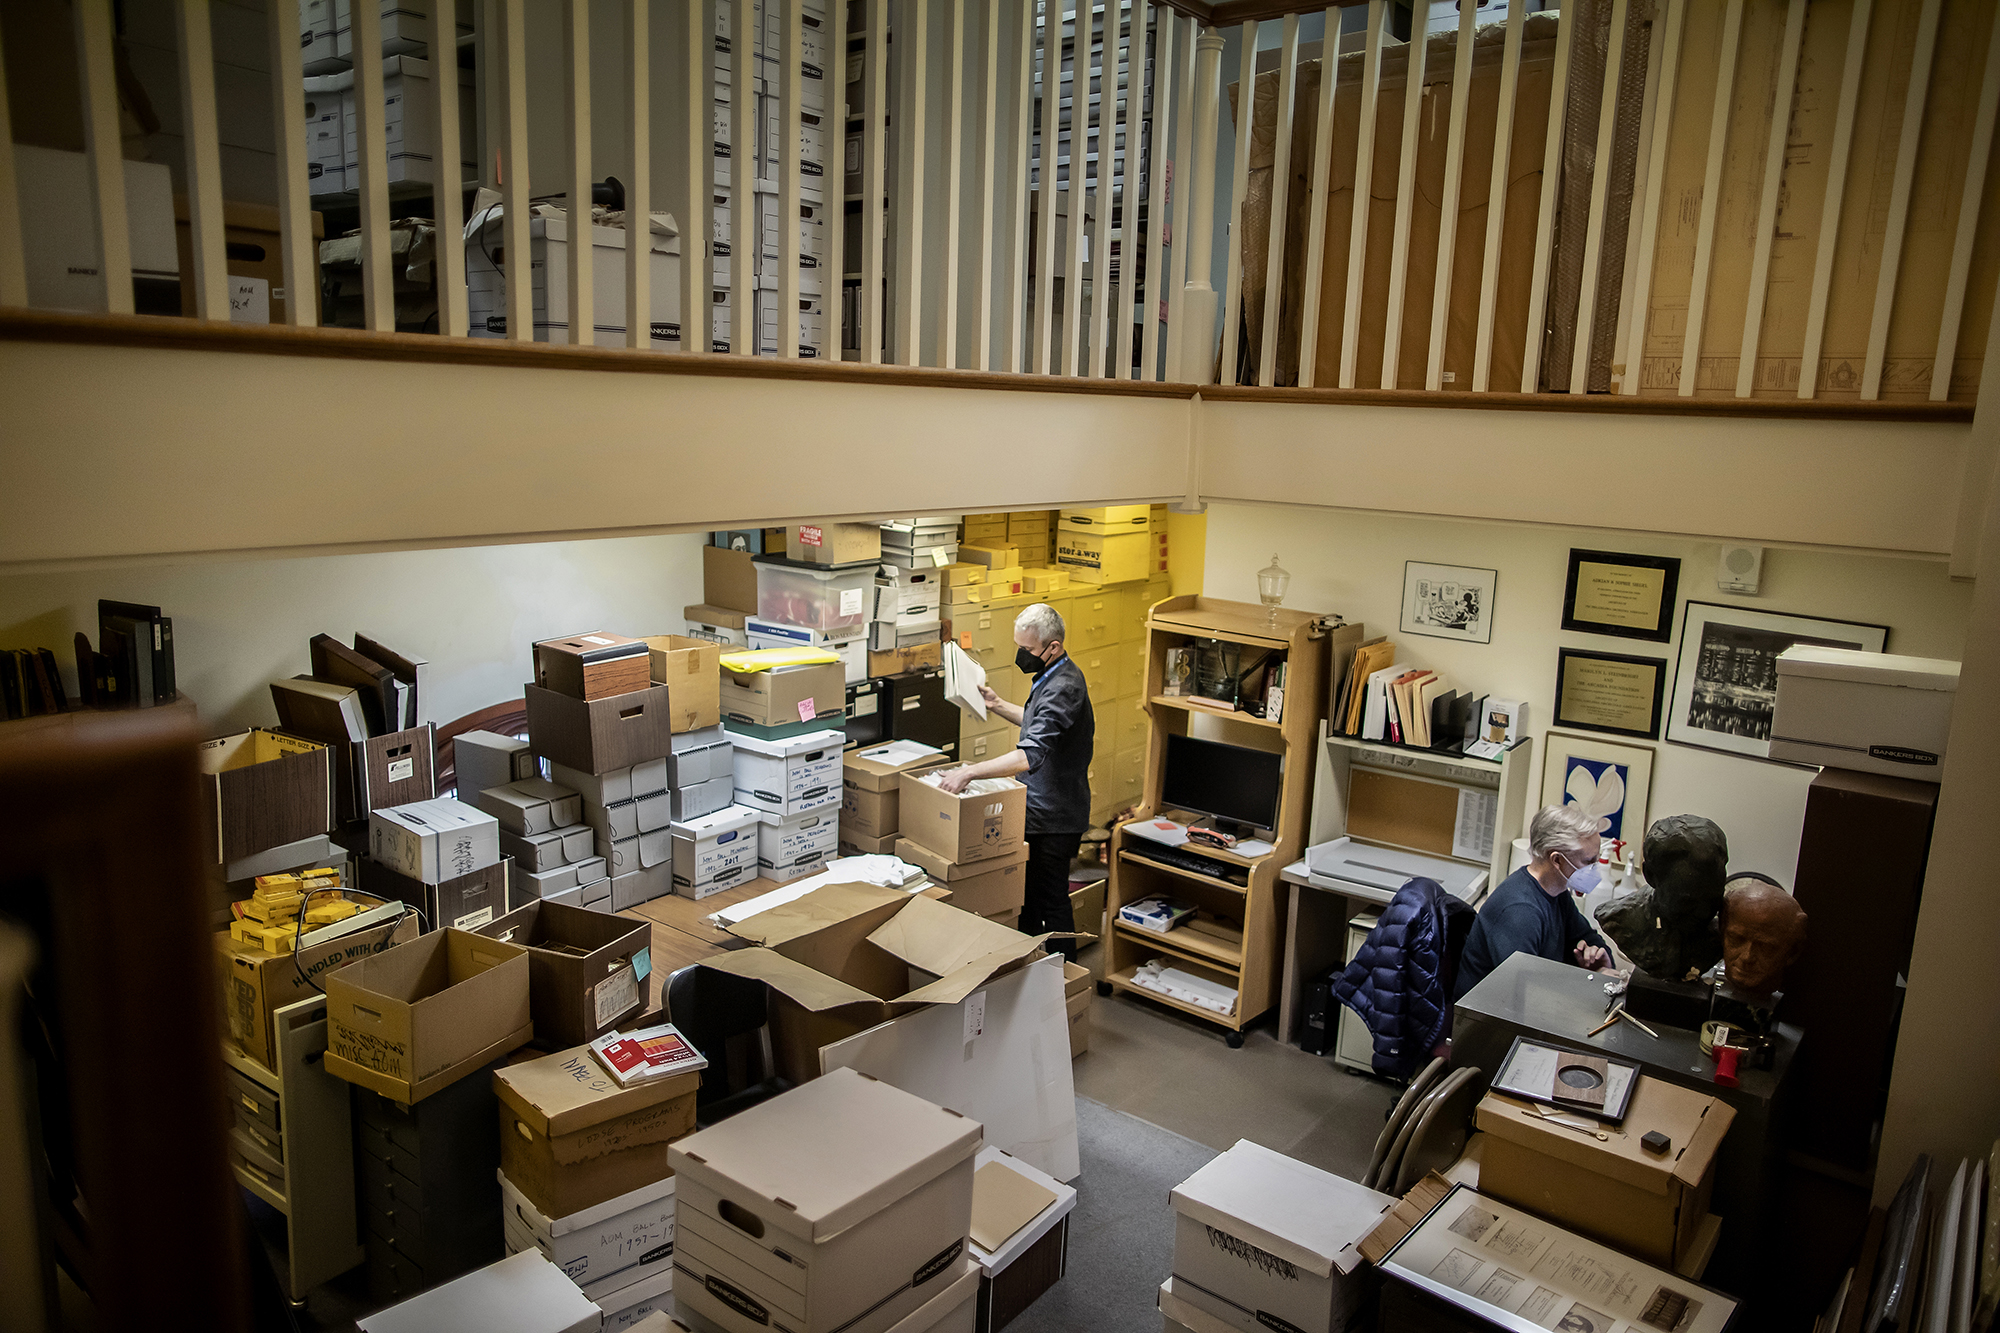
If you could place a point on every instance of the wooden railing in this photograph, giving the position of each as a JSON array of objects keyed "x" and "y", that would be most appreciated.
[{"x": 1006, "y": 218}]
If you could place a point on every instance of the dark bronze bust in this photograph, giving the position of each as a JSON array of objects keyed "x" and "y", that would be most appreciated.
[{"x": 1668, "y": 928}]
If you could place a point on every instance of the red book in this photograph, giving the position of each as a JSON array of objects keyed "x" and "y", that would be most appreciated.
[{"x": 651, "y": 1053}]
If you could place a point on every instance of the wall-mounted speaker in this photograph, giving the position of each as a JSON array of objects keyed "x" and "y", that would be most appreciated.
[{"x": 1740, "y": 569}]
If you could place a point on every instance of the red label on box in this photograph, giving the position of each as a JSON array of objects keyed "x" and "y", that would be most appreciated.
[{"x": 811, "y": 537}]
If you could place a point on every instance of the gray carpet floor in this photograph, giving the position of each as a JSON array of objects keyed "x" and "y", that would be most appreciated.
[{"x": 1121, "y": 1235}]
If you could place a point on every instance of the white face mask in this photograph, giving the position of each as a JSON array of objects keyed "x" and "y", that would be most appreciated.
[{"x": 1583, "y": 878}]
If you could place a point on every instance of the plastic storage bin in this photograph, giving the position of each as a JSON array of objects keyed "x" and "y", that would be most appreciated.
[{"x": 833, "y": 601}]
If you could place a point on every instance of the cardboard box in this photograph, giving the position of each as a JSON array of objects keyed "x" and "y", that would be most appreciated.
[
  {"x": 871, "y": 782},
  {"x": 789, "y": 777},
  {"x": 254, "y": 258},
  {"x": 1099, "y": 557},
  {"x": 629, "y": 1237},
  {"x": 967, "y": 594},
  {"x": 1078, "y": 988},
  {"x": 714, "y": 851},
  {"x": 462, "y": 901},
  {"x": 927, "y": 656},
  {"x": 592, "y": 666},
  {"x": 703, "y": 798},
  {"x": 962, "y": 576},
  {"x": 413, "y": 1019},
  {"x": 971, "y": 826},
  {"x": 792, "y": 846},
  {"x": 642, "y": 885},
  {"x": 997, "y": 884},
  {"x": 728, "y": 581},
  {"x": 829, "y": 543},
  {"x": 256, "y": 984},
  {"x": 582, "y": 968},
  {"x": 993, "y": 557},
  {"x": 691, "y": 670},
  {"x": 1872, "y": 712},
  {"x": 536, "y": 852},
  {"x": 523, "y": 1292},
  {"x": 571, "y": 1138},
  {"x": 1647, "y": 1204},
  {"x": 615, "y": 785},
  {"x": 532, "y": 805},
  {"x": 434, "y": 841},
  {"x": 263, "y": 789},
  {"x": 701, "y": 756},
  {"x": 838, "y": 961},
  {"x": 599, "y": 735},
  {"x": 1086, "y": 905},
  {"x": 629, "y": 1307},
  {"x": 628, "y": 819},
  {"x": 717, "y": 625},
  {"x": 1263, "y": 1241},
  {"x": 484, "y": 759},
  {"x": 1109, "y": 518},
  {"x": 858, "y": 1193},
  {"x": 854, "y": 844},
  {"x": 785, "y": 696}
]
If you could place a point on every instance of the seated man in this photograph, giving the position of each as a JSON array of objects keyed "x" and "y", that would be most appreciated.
[{"x": 1532, "y": 911}]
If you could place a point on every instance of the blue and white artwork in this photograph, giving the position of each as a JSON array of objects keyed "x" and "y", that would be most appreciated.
[{"x": 1599, "y": 787}]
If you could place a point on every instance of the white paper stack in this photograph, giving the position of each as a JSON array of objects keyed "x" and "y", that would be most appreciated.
[{"x": 962, "y": 678}]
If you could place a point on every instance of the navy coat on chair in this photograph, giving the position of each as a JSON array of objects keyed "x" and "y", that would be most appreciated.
[{"x": 1400, "y": 979}]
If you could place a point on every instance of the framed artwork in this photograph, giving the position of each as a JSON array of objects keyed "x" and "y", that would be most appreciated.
[
  {"x": 1726, "y": 684},
  {"x": 1449, "y": 601},
  {"x": 1631, "y": 596},
  {"x": 1608, "y": 779},
  {"x": 1609, "y": 692}
]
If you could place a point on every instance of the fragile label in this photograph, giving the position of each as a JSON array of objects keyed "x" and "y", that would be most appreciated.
[
  {"x": 811, "y": 536},
  {"x": 402, "y": 770},
  {"x": 615, "y": 994},
  {"x": 807, "y": 710}
]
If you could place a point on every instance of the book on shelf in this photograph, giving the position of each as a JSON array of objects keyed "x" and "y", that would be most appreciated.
[{"x": 140, "y": 642}]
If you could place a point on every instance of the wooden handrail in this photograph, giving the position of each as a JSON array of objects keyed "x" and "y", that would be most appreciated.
[{"x": 167, "y": 333}]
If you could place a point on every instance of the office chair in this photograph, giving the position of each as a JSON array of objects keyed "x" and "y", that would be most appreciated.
[{"x": 709, "y": 1008}]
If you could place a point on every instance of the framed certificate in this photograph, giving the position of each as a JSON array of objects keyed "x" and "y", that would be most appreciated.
[
  {"x": 1609, "y": 692},
  {"x": 1630, "y": 596}
]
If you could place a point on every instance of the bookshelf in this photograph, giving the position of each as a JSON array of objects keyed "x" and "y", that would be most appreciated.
[{"x": 1237, "y": 941}]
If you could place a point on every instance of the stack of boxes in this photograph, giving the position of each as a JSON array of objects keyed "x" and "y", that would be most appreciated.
[
  {"x": 872, "y": 794},
  {"x": 409, "y": 110},
  {"x": 542, "y": 827},
  {"x": 729, "y": 587},
  {"x": 972, "y": 843},
  {"x": 606, "y": 728},
  {"x": 844, "y": 1203},
  {"x": 793, "y": 787},
  {"x": 1114, "y": 544},
  {"x": 818, "y": 594},
  {"x": 585, "y": 1178},
  {"x": 442, "y": 856}
]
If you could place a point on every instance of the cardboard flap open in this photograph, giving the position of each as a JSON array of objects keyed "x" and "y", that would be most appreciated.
[
  {"x": 808, "y": 987},
  {"x": 941, "y": 939},
  {"x": 1692, "y": 1158},
  {"x": 1304, "y": 1216},
  {"x": 814, "y": 911}
]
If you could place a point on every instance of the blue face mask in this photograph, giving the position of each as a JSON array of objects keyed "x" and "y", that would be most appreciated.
[{"x": 1584, "y": 878}]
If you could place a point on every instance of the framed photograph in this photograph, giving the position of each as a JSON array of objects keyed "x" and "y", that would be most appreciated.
[
  {"x": 1449, "y": 601},
  {"x": 1631, "y": 596},
  {"x": 1726, "y": 684},
  {"x": 1609, "y": 692},
  {"x": 1605, "y": 778},
  {"x": 1512, "y": 1270}
]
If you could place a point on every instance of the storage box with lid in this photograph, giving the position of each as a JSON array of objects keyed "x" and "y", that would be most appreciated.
[
  {"x": 614, "y": 785},
  {"x": 434, "y": 841},
  {"x": 1105, "y": 557},
  {"x": 549, "y": 233},
  {"x": 828, "y": 599},
  {"x": 411, "y": 1020},
  {"x": 462, "y": 901},
  {"x": 1262, "y": 1241},
  {"x": 640, "y": 886},
  {"x": 571, "y": 1138},
  {"x": 850, "y": 645},
  {"x": 584, "y": 968},
  {"x": 1652, "y": 1205},
  {"x": 791, "y": 776},
  {"x": 871, "y": 785},
  {"x": 792, "y": 846},
  {"x": 1873, "y": 712},
  {"x": 1020, "y": 1234},
  {"x": 604, "y": 1247},
  {"x": 783, "y": 701},
  {"x": 593, "y": 665},
  {"x": 703, "y": 798},
  {"x": 523, "y": 1292},
  {"x": 844, "y": 1204},
  {"x": 1106, "y": 519},
  {"x": 716, "y": 624},
  {"x": 715, "y": 851},
  {"x": 531, "y": 805},
  {"x": 918, "y": 535},
  {"x": 409, "y": 123}
]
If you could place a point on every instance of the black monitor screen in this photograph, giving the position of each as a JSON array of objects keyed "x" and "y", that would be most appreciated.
[{"x": 1226, "y": 781}]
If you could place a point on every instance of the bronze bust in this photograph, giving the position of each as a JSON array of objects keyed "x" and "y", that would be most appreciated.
[{"x": 1668, "y": 928}]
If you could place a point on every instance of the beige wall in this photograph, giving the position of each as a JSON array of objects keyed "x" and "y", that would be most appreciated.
[
  {"x": 472, "y": 612},
  {"x": 1352, "y": 564}
]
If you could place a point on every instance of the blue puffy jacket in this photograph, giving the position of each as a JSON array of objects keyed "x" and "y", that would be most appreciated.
[{"x": 1400, "y": 979}]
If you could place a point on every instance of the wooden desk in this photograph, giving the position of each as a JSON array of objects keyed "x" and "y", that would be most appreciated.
[{"x": 690, "y": 917}]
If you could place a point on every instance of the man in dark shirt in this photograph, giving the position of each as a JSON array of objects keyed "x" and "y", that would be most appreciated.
[
  {"x": 1057, "y": 734},
  {"x": 1534, "y": 909}
]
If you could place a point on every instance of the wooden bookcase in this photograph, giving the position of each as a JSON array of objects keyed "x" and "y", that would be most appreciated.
[{"x": 1253, "y": 906}]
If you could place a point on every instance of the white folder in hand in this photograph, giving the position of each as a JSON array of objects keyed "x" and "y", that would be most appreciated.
[{"x": 962, "y": 678}]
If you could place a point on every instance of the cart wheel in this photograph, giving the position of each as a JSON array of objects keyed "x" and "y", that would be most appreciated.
[
  {"x": 1104, "y": 988},
  {"x": 1235, "y": 1040}
]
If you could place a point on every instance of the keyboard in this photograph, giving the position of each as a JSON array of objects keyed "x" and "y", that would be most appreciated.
[{"x": 1182, "y": 860}]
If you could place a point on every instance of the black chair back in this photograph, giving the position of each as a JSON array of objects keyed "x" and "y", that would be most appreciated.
[{"x": 709, "y": 1008}]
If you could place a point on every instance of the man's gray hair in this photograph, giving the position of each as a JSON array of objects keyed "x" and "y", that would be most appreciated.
[
  {"x": 1043, "y": 619},
  {"x": 1560, "y": 828}
]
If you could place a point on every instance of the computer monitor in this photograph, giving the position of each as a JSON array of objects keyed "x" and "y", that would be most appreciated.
[{"x": 1231, "y": 783}]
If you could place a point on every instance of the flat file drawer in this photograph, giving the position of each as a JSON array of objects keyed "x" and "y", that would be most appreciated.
[
  {"x": 402, "y": 1227},
  {"x": 1135, "y": 724},
  {"x": 247, "y": 1152},
  {"x": 1096, "y": 621},
  {"x": 1138, "y": 605},
  {"x": 1130, "y": 782},
  {"x": 385, "y": 1189},
  {"x": 391, "y": 1274},
  {"x": 260, "y": 1134},
  {"x": 980, "y": 627},
  {"x": 256, "y": 1101}
]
